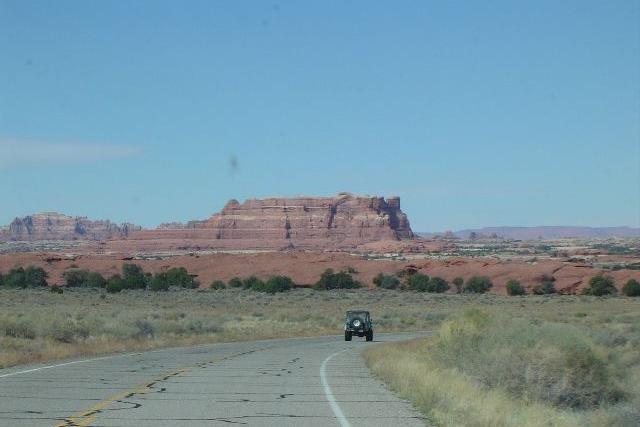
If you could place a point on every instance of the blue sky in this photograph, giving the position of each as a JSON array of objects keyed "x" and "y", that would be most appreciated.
[{"x": 474, "y": 113}]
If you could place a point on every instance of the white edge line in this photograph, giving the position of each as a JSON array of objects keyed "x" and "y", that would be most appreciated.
[
  {"x": 40, "y": 368},
  {"x": 327, "y": 391},
  {"x": 73, "y": 362}
]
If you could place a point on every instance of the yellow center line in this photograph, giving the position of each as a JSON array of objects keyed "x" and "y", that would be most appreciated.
[{"x": 86, "y": 417}]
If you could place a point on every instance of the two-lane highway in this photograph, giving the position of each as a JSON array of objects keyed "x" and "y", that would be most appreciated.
[{"x": 300, "y": 381}]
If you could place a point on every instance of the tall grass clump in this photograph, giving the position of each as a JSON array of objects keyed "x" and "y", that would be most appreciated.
[{"x": 537, "y": 361}]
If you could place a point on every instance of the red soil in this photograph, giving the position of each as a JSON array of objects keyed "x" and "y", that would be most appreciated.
[{"x": 306, "y": 267}]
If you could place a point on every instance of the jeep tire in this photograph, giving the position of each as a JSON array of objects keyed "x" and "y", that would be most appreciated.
[
  {"x": 369, "y": 336},
  {"x": 347, "y": 336}
]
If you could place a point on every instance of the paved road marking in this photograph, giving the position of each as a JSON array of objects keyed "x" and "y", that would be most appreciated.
[
  {"x": 65, "y": 364},
  {"x": 327, "y": 391},
  {"x": 84, "y": 418}
]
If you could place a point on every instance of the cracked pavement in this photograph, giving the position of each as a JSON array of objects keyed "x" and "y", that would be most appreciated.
[{"x": 262, "y": 383}]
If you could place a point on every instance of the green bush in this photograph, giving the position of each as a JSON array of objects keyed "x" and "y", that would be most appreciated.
[
  {"x": 252, "y": 282},
  {"x": 217, "y": 285},
  {"x": 1, "y": 279},
  {"x": 515, "y": 288},
  {"x": 277, "y": 284},
  {"x": 134, "y": 277},
  {"x": 159, "y": 282},
  {"x": 477, "y": 285},
  {"x": 56, "y": 290},
  {"x": 179, "y": 277},
  {"x": 236, "y": 282},
  {"x": 96, "y": 280},
  {"x": 115, "y": 284},
  {"x": 30, "y": 277},
  {"x": 438, "y": 285},
  {"x": 631, "y": 288},
  {"x": 459, "y": 283},
  {"x": 418, "y": 282},
  {"x": 386, "y": 282},
  {"x": 75, "y": 278},
  {"x": 84, "y": 279},
  {"x": 331, "y": 280},
  {"x": 600, "y": 285}
]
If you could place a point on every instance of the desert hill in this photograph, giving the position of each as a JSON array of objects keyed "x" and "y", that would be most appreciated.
[
  {"x": 55, "y": 226},
  {"x": 544, "y": 232}
]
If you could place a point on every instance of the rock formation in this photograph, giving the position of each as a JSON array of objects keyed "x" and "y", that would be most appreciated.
[
  {"x": 345, "y": 217},
  {"x": 344, "y": 221},
  {"x": 55, "y": 226}
]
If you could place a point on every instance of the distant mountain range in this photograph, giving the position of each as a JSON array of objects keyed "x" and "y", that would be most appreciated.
[{"x": 543, "y": 232}]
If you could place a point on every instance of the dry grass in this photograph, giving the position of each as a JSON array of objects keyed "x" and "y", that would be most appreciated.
[
  {"x": 560, "y": 361},
  {"x": 36, "y": 325}
]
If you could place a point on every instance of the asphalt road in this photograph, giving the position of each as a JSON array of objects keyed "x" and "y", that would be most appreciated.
[{"x": 303, "y": 381}]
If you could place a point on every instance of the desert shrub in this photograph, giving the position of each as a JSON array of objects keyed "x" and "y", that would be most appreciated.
[
  {"x": 631, "y": 288},
  {"x": 19, "y": 328},
  {"x": 179, "y": 277},
  {"x": 386, "y": 282},
  {"x": 438, "y": 285},
  {"x": 341, "y": 280},
  {"x": 459, "y": 284},
  {"x": 96, "y": 280},
  {"x": 67, "y": 331},
  {"x": 30, "y": 277},
  {"x": 134, "y": 277},
  {"x": 515, "y": 288},
  {"x": 600, "y": 285},
  {"x": 217, "y": 285},
  {"x": 418, "y": 282},
  {"x": 277, "y": 284},
  {"x": 84, "y": 278},
  {"x": 144, "y": 329},
  {"x": 252, "y": 282},
  {"x": 544, "y": 288},
  {"x": 115, "y": 284},
  {"x": 236, "y": 282},
  {"x": 1, "y": 279},
  {"x": 477, "y": 285},
  {"x": 75, "y": 278},
  {"x": 159, "y": 282},
  {"x": 549, "y": 362},
  {"x": 35, "y": 277},
  {"x": 56, "y": 290}
]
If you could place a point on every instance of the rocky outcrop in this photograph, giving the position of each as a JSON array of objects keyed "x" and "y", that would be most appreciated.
[
  {"x": 343, "y": 221},
  {"x": 344, "y": 217},
  {"x": 55, "y": 226}
]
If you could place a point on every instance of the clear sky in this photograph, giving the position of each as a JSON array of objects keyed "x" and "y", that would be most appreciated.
[{"x": 474, "y": 113}]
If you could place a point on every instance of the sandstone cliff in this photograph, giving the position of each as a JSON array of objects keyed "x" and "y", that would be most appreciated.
[
  {"x": 343, "y": 217},
  {"x": 55, "y": 226},
  {"x": 343, "y": 221}
]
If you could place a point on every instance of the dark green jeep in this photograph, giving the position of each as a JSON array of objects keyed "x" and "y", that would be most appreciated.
[{"x": 358, "y": 322}]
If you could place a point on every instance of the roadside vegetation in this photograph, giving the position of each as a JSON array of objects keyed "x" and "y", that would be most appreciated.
[{"x": 489, "y": 367}]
